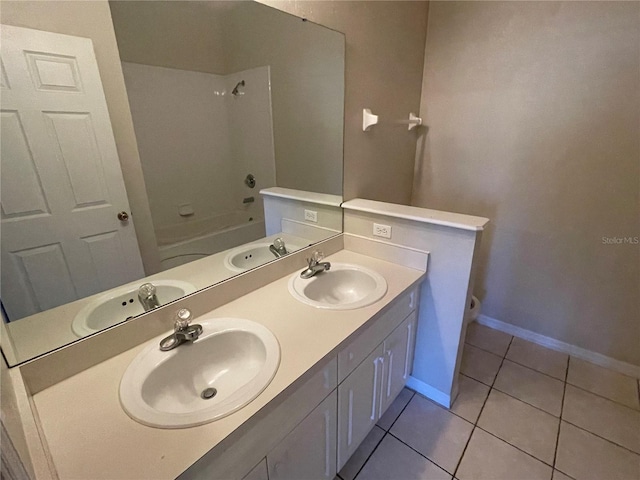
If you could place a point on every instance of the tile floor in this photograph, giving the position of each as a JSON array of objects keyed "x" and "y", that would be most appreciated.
[{"x": 524, "y": 412}]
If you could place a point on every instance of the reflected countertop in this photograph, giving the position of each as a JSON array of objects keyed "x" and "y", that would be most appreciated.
[{"x": 40, "y": 333}]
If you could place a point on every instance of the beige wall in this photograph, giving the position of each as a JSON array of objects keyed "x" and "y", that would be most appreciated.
[
  {"x": 307, "y": 75},
  {"x": 187, "y": 35},
  {"x": 533, "y": 111},
  {"x": 93, "y": 20},
  {"x": 384, "y": 58}
]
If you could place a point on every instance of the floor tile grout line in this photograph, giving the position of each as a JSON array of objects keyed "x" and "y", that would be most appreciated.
[
  {"x": 568, "y": 476},
  {"x": 564, "y": 394},
  {"x": 419, "y": 453},
  {"x": 505, "y": 393},
  {"x": 499, "y": 355},
  {"x": 401, "y": 411},
  {"x": 524, "y": 401},
  {"x": 550, "y": 376},
  {"x": 512, "y": 361},
  {"x": 448, "y": 409},
  {"x": 637, "y": 379},
  {"x": 531, "y": 368},
  {"x": 534, "y": 370},
  {"x": 603, "y": 397},
  {"x": 514, "y": 446},
  {"x": 552, "y": 350},
  {"x": 370, "y": 455},
  {"x": 475, "y": 425},
  {"x": 385, "y": 434},
  {"x": 601, "y": 437},
  {"x": 484, "y": 350},
  {"x": 560, "y": 419}
]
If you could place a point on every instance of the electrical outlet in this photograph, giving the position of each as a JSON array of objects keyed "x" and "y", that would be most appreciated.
[
  {"x": 311, "y": 216},
  {"x": 381, "y": 230}
]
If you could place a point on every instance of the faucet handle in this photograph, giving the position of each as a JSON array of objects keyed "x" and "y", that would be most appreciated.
[
  {"x": 316, "y": 256},
  {"x": 279, "y": 244},
  {"x": 146, "y": 290},
  {"x": 183, "y": 319}
]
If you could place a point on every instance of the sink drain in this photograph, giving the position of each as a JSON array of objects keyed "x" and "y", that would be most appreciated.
[{"x": 208, "y": 393}]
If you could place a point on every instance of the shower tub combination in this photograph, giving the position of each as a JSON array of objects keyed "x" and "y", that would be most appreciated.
[{"x": 185, "y": 251}]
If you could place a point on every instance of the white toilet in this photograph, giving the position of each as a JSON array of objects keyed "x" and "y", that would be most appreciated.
[{"x": 473, "y": 311}]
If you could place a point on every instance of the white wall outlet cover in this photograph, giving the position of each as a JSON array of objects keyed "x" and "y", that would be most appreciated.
[
  {"x": 311, "y": 216},
  {"x": 380, "y": 230}
]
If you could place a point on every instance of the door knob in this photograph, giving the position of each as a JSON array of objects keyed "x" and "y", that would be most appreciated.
[
  {"x": 250, "y": 181},
  {"x": 123, "y": 216}
]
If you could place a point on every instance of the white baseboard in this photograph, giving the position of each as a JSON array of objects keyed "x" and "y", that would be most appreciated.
[
  {"x": 553, "y": 344},
  {"x": 429, "y": 392}
]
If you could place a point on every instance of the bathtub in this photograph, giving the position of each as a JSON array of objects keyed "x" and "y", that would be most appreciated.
[{"x": 185, "y": 251}]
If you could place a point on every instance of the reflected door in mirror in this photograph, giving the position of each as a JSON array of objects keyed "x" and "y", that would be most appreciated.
[{"x": 62, "y": 187}]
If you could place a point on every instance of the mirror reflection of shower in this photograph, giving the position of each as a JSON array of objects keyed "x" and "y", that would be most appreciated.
[
  {"x": 235, "y": 92},
  {"x": 196, "y": 146}
]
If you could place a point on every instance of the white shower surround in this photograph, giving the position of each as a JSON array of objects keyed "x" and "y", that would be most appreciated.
[{"x": 180, "y": 114}]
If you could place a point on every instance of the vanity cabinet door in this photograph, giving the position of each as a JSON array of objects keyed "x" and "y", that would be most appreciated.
[
  {"x": 259, "y": 472},
  {"x": 359, "y": 404},
  {"x": 398, "y": 355},
  {"x": 309, "y": 451}
]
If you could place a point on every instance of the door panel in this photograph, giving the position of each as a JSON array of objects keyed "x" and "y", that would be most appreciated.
[
  {"x": 398, "y": 361},
  {"x": 358, "y": 404},
  {"x": 309, "y": 451},
  {"x": 62, "y": 185}
]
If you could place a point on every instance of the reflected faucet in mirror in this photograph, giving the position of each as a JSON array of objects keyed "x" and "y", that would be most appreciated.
[
  {"x": 278, "y": 248},
  {"x": 147, "y": 296}
]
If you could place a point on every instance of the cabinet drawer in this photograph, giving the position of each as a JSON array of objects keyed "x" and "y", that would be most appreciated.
[{"x": 354, "y": 353}]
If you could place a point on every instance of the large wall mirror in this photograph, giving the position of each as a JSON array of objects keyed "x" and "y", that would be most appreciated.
[{"x": 237, "y": 110}]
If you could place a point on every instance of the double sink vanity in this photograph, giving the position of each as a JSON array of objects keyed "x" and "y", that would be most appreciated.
[
  {"x": 268, "y": 374},
  {"x": 298, "y": 385}
]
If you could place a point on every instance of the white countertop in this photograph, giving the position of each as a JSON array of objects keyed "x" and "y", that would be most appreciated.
[
  {"x": 417, "y": 214},
  {"x": 90, "y": 436},
  {"x": 302, "y": 195}
]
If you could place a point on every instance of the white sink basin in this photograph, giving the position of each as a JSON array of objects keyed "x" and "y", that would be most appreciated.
[
  {"x": 344, "y": 287},
  {"x": 122, "y": 303},
  {"x": 251, "y": 256},
  {"x": 236, "y": 357}
]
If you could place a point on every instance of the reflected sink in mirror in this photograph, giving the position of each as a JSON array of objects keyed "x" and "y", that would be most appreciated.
[
  {"x": 251, "y": 256},
  {"x": 343, "y": 287},
  {"x": 122, "y": 303},
  {"x": 229, "y": 365}
]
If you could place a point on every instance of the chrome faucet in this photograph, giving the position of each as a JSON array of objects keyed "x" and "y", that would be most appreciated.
[
  {"x": 183, "y": 331},
  {"x": 315, "y": 266},
  {"x": 147, "y": 296},
  {"x": 278, "y": 248}
]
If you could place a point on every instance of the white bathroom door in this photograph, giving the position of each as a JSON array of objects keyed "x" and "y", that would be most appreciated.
[{"x": 61, "y": 183}]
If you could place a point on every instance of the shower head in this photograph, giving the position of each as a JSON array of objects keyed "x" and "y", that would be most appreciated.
[{"x": 235, "y": 90}]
